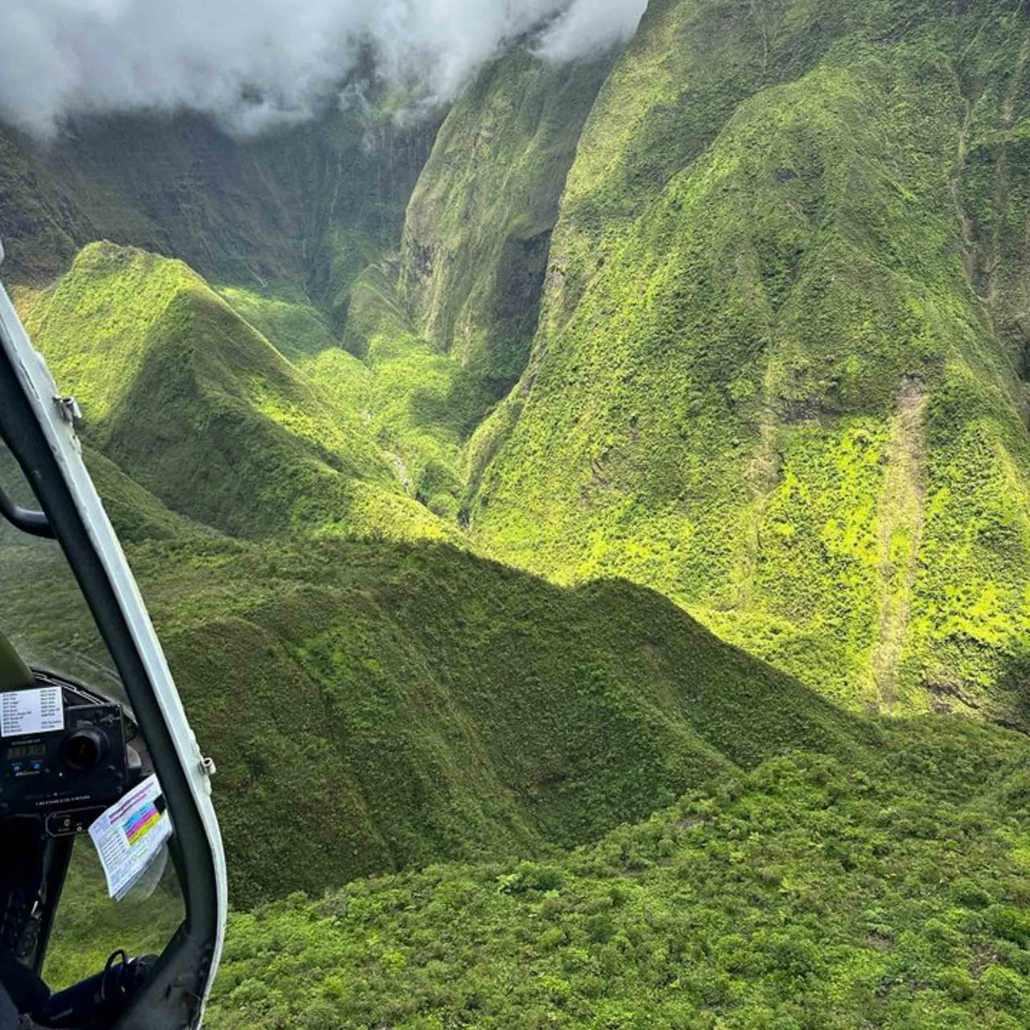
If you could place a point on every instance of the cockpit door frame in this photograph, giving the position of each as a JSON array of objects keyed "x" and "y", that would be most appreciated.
[{"x": 36, "y": 422}]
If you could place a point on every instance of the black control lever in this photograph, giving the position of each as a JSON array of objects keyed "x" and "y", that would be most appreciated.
[{"x": 33, "y": 522}]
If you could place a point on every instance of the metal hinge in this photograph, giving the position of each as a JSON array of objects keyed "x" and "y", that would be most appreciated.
[
  {"x": 69, "y": 410},
  {"x": 208, "y": 767}
]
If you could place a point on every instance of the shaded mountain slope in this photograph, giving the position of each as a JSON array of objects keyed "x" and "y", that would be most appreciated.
[
  {"x": 446, "y": 707},
  {"x": 299, "y": 212},
  {"x": 195, "y": 405},
  {"x": 406, "y": 704},
  {"x": 776, "y": 375}
]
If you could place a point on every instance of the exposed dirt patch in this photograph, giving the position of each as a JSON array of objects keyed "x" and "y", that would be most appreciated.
[
  {"x": 901, "y": 511},
  {"x": 983, "y": 956}
]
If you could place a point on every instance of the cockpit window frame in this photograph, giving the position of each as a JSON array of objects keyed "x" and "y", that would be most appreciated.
[{"x": 179, "y": 985}]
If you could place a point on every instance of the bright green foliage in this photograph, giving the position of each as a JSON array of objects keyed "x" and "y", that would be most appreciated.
[
  {"x": 479, "y": 222},
  {"x": 439, "y": 706},
  {"x": 302, "y": 334},
  {"x": 807, "y": 894},
  {"x": 780, "y": 269},
  {"x": 423, "y": 405},
  {"x": 298, "y": 331},
  {"x": 195, "y": 405},
  {"x": 771, "y": 378}
]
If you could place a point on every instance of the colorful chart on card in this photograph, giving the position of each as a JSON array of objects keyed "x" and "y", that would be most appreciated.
[{"x": 141, "y": 821}]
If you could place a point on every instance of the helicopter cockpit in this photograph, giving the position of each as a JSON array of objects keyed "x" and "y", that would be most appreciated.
[
  {"x": 65, "y": 759},
  {"x": 112, "y": 878}
]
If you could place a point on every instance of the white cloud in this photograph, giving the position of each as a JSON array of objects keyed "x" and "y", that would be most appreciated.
[
  {"x": 589, "y": 26},
  {"x": 256, "y": 62}
]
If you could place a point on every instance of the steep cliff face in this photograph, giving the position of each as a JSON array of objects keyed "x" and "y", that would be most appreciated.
[
  {"x": 777, "y": 372},
  {"x": 760, "y": 283},
  {"x": 479, "y": 223},
  {"x": 298, "y": 213}
]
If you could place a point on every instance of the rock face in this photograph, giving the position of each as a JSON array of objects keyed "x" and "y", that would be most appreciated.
[{"x": 777, "y": 374}]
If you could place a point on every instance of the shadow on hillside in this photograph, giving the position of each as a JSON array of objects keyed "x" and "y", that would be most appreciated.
[
  {"x": 1013, "y": 690},
  {"x": 450, "y": 707}
]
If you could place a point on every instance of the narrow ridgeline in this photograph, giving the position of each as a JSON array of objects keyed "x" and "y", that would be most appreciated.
[{"x": 192, "y": 403}]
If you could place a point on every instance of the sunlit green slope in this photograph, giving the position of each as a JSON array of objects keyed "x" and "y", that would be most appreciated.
[
  {"x": 778, "y": 373},
  {"x": 195, "y": 405},
  {"x": 423, "y": 405},
  {"x": 373, "y": 706},
  {"x": 445, "y": 328},
  {"x": 807, "y": 894}
]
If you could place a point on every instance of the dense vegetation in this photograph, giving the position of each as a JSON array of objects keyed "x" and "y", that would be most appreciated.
[
  {"x": 479, "y": 224},
  {"x": 408, "y": 703},
  {"x": 776, "y": 373},
  {"x": 728, "y": 327},
  {"x": 194, "y": 404},
  {"x": 808, "y": 894},
  {"x": 298, "y": 213}
]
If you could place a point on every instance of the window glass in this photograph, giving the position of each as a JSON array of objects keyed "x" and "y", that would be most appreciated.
[{"x": 45, "y": 616}]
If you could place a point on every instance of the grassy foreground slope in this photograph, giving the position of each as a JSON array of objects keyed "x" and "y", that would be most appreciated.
[
  {"x": 778, "y": 370},
  {"x": 806, "y": 895},
  {"x": 440, "y": 706},
  {"x": 373, "y": 706},
  {"x": 195, "y": 405}
]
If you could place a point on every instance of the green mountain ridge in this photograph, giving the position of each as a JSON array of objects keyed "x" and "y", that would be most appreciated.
[
  {"x": 439, "y": 706},
  {"x": 195, "y": 405},
  {"x": 298, "y": 213},
  {"x": 776, "y": 375},
  {"x": 479, "y": 223}
]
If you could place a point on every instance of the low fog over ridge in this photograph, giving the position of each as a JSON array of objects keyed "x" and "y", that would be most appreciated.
[{"x": 256, "y": 63}]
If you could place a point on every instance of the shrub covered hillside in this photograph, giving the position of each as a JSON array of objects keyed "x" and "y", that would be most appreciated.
[
  {"x": 805, "y": 895},
  {"x": 423, "y": 405},
  {"x": 446, "y": 326},
  {"x": 405, "y": 704},
  {"x": 192, "y": 403},
  {"x": 779, "y": 372}
]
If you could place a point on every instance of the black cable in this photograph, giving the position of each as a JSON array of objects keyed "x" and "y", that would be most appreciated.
[{"x": 107, "y": 971}]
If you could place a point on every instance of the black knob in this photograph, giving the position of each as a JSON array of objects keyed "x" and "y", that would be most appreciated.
[{"x": 82, "y": 749}]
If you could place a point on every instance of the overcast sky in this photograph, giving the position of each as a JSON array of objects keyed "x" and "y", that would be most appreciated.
[{"x": 62, "y": 57}]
